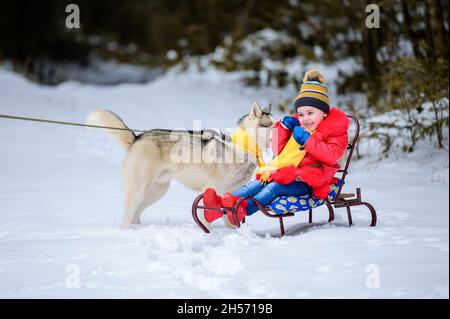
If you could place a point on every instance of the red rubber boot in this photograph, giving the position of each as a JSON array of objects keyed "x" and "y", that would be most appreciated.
[
  {"x": 228, "y": 201},
  {"x": 210, "y": 199}
]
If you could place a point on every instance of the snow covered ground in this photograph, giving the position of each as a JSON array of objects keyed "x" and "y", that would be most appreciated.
[{"x": 61, "y": 205}]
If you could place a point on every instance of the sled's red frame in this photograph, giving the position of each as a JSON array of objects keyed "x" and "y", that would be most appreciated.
[{"x": 340, "y": 200}]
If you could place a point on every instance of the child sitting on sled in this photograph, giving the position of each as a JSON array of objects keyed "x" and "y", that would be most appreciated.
[{"x": 307, "y": 146}]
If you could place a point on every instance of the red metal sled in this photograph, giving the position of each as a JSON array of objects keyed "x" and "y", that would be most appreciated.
[{"x": 341, "y": 200}]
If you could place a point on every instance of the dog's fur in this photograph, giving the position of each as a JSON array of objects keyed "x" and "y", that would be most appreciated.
[{"x": 148, "y": 166}]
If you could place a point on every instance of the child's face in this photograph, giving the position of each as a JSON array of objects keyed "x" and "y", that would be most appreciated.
[{"x": 310, "y": 117}]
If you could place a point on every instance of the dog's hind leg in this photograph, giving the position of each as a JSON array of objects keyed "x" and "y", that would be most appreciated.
[
  {"x": 139, "y": 196},
  {"x": 133, "y": 208},
  {"x": 151, "y": 196},
  {"x": 135, "y": 187}
]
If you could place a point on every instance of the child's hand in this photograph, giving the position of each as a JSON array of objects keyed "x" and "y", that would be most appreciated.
[
  {"x": 265, "y": 177},
  {"x": 301, "y": 135},
  {"x": 290, "y": 122}
]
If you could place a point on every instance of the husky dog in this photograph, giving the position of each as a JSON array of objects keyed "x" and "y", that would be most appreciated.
[{"x": 152, "y": 160}]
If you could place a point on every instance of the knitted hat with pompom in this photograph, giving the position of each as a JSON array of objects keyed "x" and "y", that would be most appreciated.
[{"x": 313, "y": 92}]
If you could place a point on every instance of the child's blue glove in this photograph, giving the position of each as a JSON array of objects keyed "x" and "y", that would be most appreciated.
[
  {"x": 301, "y": 135},
  {"x": 290, "y": 122}
]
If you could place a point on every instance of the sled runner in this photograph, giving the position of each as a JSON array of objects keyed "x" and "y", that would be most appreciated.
[{"x": 287, "y": 206}]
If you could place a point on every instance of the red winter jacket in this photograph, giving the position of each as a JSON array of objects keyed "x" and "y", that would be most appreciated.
[{"x": 324, "y": 149}]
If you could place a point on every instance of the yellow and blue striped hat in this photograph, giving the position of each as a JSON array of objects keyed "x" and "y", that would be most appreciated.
[{"x": 313, "y": 92}]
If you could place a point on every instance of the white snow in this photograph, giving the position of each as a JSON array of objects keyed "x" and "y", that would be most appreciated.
[{"x": 61, "y": 205}]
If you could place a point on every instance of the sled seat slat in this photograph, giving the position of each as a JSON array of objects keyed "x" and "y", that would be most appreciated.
[{"x": 345, "y": 195}]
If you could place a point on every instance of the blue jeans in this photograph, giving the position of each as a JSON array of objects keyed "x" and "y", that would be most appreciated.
[{"x": 266, "y": 194}]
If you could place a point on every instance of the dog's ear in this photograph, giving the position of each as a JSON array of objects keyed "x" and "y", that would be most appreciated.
[
  {"x": 268, "y": 109},
  {"x": 256, "y": 110}
]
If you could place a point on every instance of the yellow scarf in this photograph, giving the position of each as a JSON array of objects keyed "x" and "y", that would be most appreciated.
[
  {"x": 242, "y": 139},
  {"x": 290, "y": 155}
]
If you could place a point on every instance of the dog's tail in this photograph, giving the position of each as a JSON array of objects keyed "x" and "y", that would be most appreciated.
[{"x": 110, "y": 119}]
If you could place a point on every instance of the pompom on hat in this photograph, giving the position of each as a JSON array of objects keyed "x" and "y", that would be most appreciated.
[{"x": 313, "y": 92}]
